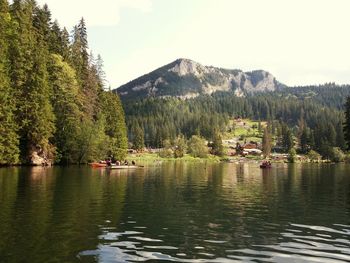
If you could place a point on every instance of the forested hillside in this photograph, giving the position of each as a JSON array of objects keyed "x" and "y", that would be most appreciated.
[
  {"x": 314, "y": 115},
  {"x": 53, "y": 107}
]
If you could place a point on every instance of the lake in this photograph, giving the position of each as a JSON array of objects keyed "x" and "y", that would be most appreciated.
[{"x": 176, "y": 211}]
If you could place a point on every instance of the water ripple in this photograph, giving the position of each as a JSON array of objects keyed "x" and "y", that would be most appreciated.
[{"x": 297, "y": 243}]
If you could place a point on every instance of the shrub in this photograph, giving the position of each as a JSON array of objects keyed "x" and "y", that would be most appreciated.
[
  {"x": 347, "y": 158},
  {"x": 336, "y": 155},
  {"x": 314, "y": 156},
  {"x": 292, "y": 155},
  {"x": 197, "y": 147},
  {"x": 166, "y": 153},
  {"x": 180, "y": 147}
]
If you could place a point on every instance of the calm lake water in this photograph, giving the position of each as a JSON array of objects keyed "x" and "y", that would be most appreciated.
[{"x": 176, "y": 212}]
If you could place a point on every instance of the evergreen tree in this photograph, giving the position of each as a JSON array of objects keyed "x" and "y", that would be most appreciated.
[
  {"x": 42, "y": 23},
  {"x": 347, "y": 122},
  {"x": 287, "y": 138},
  {"x": 340, "y": 140},
  {"x": 65, "y": 100},
  {"x": 39, "y": 125},
  {"x": 138, "y": 138},
  {"x": 51, "y": 92},
  {"x": 9, "y": 151},
  {"x": 59, "y": 41},
  {"x": 99, "y": 71},
  {"x": 29, "y": 76},
  {"x": 305, "y": 140},
  {"x": 115, "y": 127},
  {"x": 217, "y": 146},
  {"x": 266, "y": 142}
]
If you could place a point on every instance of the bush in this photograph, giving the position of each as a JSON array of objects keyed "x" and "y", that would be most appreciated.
[
  {"x": 292, "y": 155},
  {"x": 166, "y": 153},
  {"x": 314, "y": 156},
  {"x": 180, "y": 147},
  {"x": 197, "y": 147},
  {"x": 336, "y": 155},
  {"x": 347, "y": 158}
]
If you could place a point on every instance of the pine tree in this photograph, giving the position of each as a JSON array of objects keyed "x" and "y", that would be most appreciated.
[
  {"x": 65, "y": 100},
  {"x": 340, "y": 140},
  {"x": 59, "y": 41},
  {"x": 9, "y": 151},
  {"x": 266, "y": 142},
  {"x": 138, "y": 138},
  {"x": 42, "y": 23},
  {"x": 51, "y": 91},
  {"x": 39, "y": 126},
  {"x": 112, "y": 109},
  {"x": 217, "y": 146},
  {"x": 77, "y": 59},
  {"x": 305, "y": 140},
  {"x": 65, "y": 45},
  {"x": 99, "y": 71},
  {"x": 21, "y": 55},
  {"x": 287, "y": 138},
  {"x": 29, "y": 76},
  {"x": 347, "y": 122}
]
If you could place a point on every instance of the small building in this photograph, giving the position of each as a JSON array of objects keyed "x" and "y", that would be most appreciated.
[
  {"x": 254, "y": 151},
  {"x": 250, "y": 145},
  {"x": 248, "y": 149}
]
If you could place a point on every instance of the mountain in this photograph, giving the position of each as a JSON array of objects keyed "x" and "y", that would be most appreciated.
[{"x": 185, "y": 78}]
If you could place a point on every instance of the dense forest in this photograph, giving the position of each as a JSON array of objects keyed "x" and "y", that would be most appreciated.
[
  {"x": 53, "y": 106},
  {"x": 313, "y": 115}
]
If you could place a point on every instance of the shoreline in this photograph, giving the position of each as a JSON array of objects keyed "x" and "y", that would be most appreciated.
[{"x": 154, "y": 157}]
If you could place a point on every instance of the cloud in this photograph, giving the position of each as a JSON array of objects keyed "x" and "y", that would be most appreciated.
[{"x": 101, "y": 13}]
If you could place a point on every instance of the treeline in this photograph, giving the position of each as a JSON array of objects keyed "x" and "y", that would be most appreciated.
[
  {"x": 164, "y": 119},
  {"x": 53, "y": 107},
  {"x": 315, "y": 125},
  {"x": 329, "y": 94}
]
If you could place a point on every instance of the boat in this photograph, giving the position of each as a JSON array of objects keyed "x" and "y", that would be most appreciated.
[
  {"x": 98, "y": 165},
  {"x": 265, "y": 165},
  {"x": 114, "y": 166}
]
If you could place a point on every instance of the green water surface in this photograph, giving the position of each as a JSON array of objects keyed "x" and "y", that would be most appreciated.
[{"x": 176, "y": 211}]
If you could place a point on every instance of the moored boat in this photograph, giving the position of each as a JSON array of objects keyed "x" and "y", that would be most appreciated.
[
  {"x": 98, "y": 165},
  {"x": 265, "y": 164},
  {"x": 114, "y": 166}
]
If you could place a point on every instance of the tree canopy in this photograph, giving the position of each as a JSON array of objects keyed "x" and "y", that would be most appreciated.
[{"x": 52, "y": 98}]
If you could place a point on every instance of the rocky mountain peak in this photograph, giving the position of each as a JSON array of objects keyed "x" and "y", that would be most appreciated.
[
  {"x": 185, "y": 66},
  {"x": 185, "y": 78}
]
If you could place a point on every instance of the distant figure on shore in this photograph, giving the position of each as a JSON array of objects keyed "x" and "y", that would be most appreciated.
[
  {"x": 133, "y": 163},
  {"x": 126, "y": 162},
  {"x": 118, "y": 163}
]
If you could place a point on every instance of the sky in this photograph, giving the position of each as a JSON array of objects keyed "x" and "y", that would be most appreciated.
[{"x": 301, "y": 42}]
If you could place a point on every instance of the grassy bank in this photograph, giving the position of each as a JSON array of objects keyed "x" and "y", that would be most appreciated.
[{"x": 154, "y": 157}]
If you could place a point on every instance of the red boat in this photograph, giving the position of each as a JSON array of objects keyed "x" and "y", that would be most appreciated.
[
  {"x": 265, "y": 164},
  {"x": 98, "y": 165}
]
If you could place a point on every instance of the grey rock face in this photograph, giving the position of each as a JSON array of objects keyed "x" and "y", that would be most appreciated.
[{"x": 185, "y": 78}]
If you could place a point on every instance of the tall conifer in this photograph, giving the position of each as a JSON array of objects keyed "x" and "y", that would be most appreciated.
[
  {"x": 9, "y": 151},
  {"x": 347, "y": 122}
]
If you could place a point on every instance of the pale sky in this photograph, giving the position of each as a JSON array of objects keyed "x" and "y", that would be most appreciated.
[{"x": 299, "y": 41}]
